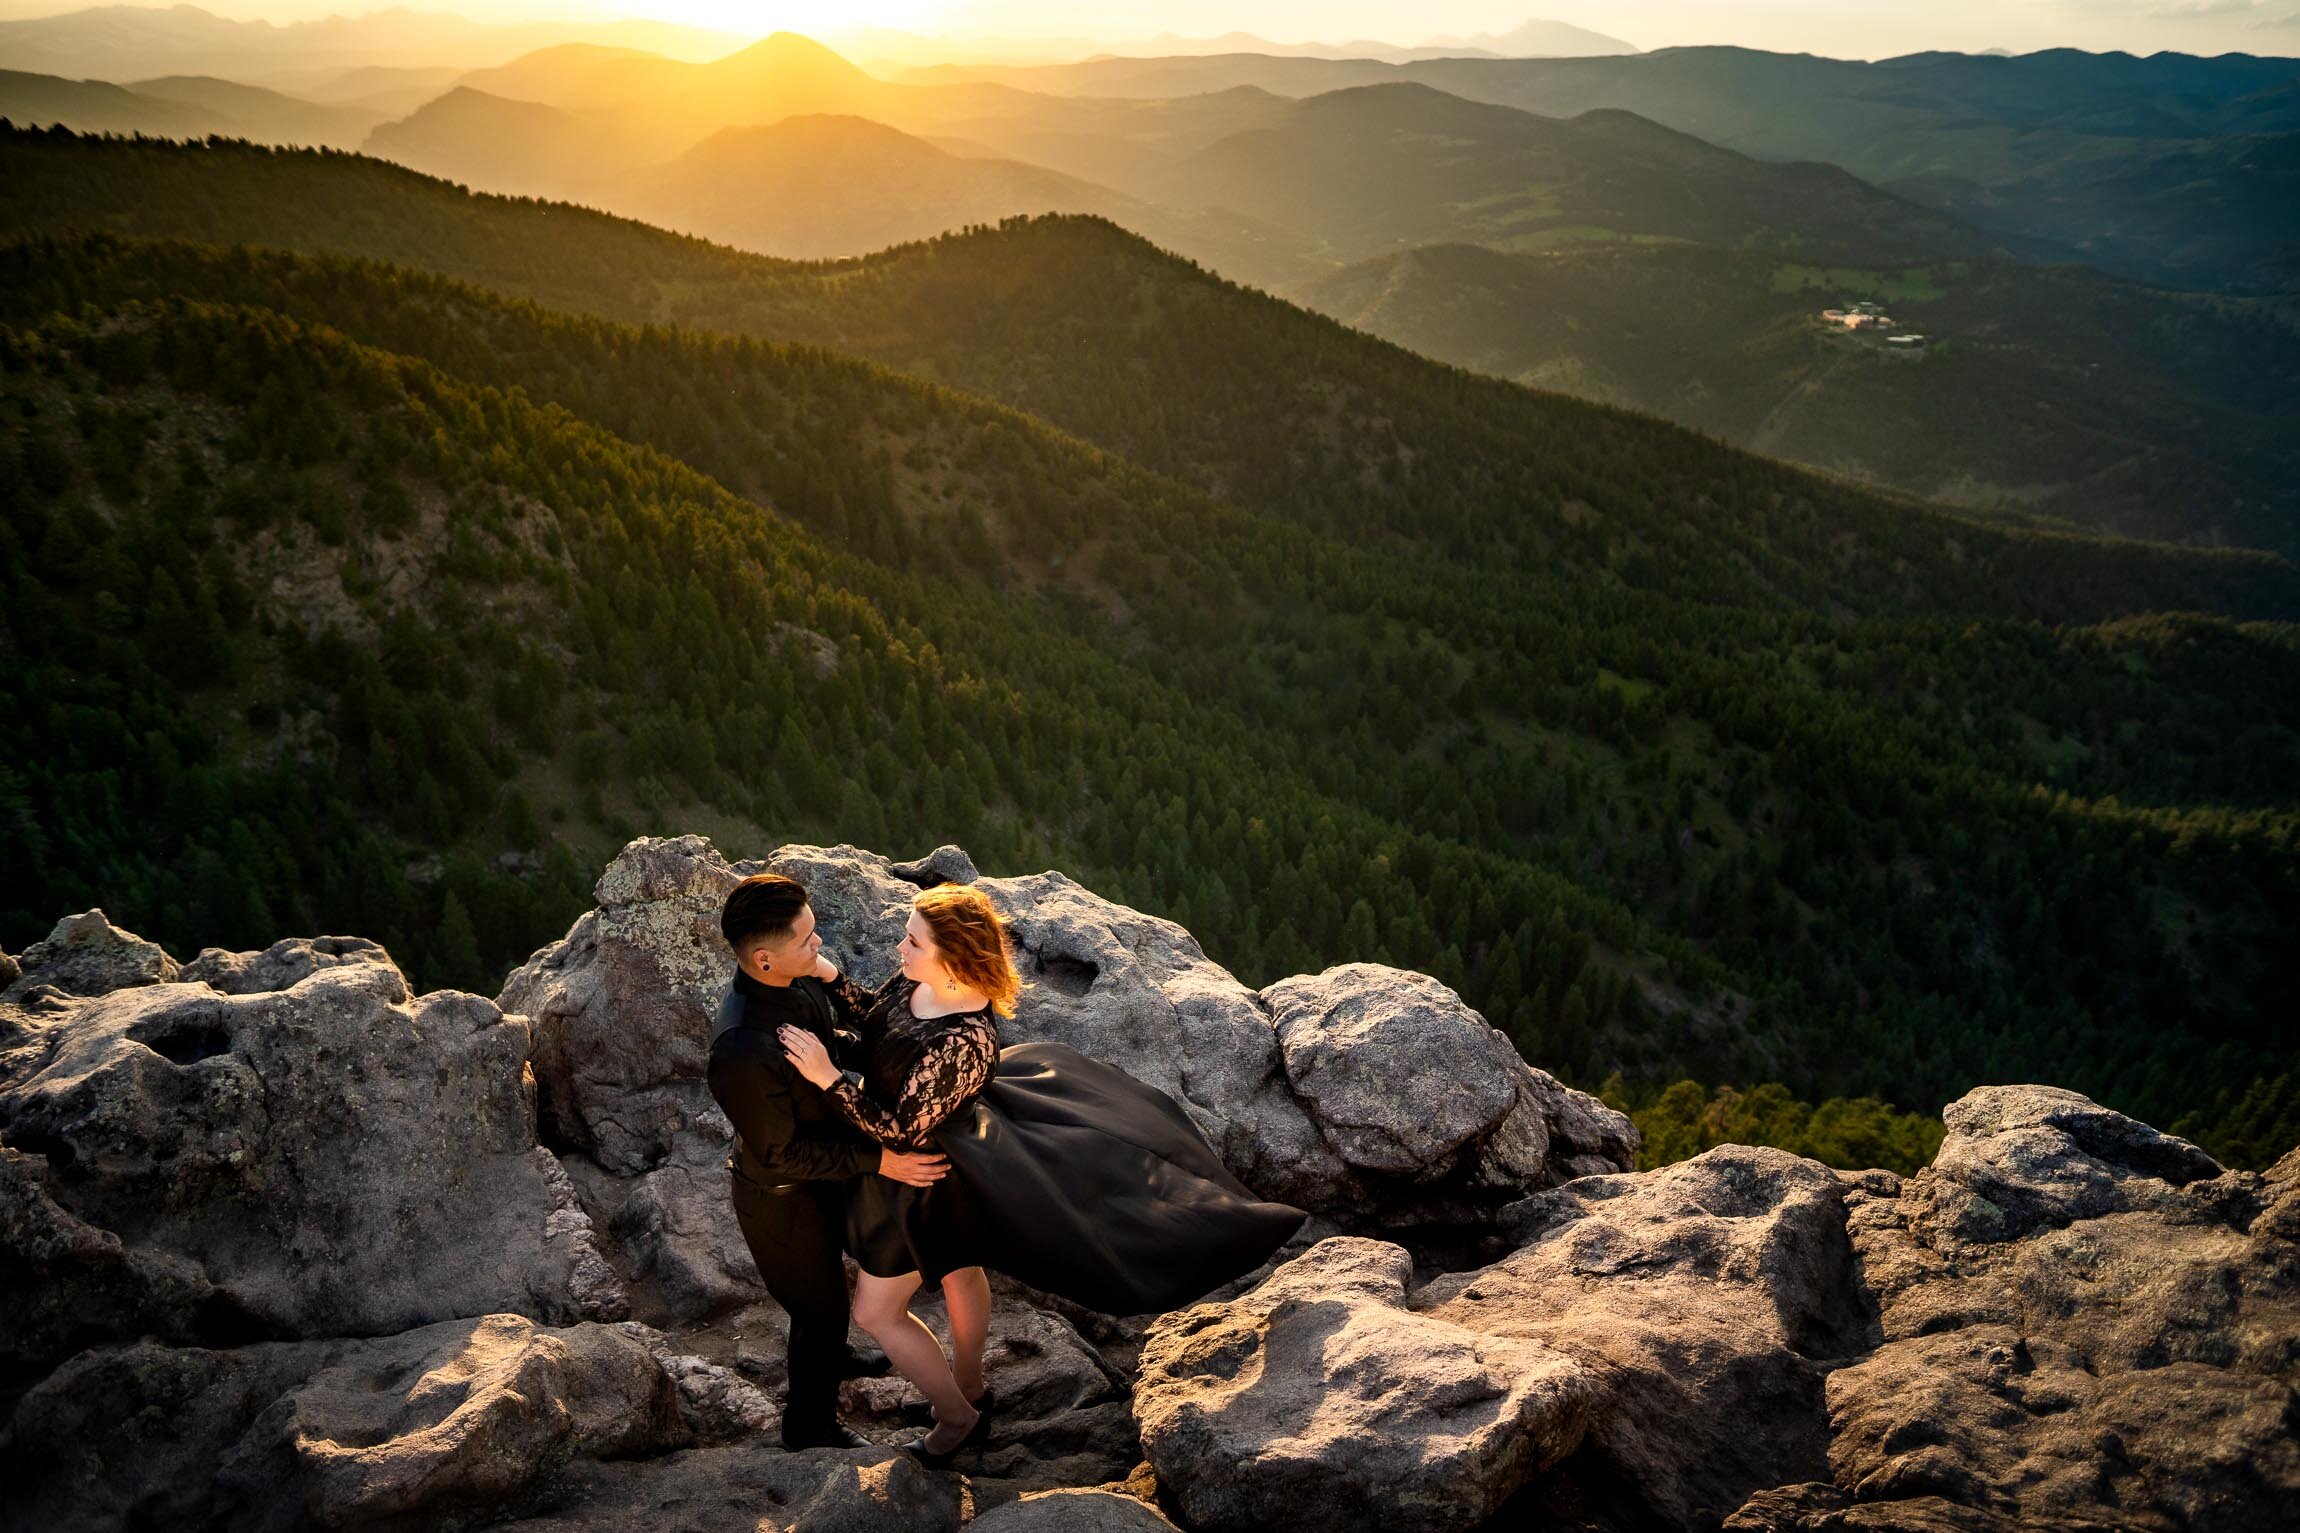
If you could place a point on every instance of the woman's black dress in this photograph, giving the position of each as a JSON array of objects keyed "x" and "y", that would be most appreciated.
[{"x": 1065, "y": 1173}]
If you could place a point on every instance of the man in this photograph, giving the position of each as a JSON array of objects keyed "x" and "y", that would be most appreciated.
[{"x": 792, "y": 1149}]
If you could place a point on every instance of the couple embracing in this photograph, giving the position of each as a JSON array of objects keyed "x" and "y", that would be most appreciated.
[{"x": 892, "y": 1125}]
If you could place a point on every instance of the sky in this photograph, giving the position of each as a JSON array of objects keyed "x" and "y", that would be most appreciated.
[{"x": 1842, "y": 28}]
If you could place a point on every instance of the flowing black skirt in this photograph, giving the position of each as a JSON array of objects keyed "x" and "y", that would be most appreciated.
[{"x": 1072, "y": 1176}]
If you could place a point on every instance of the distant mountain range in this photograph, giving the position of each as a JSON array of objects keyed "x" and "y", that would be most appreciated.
[
  {"x": 1379, "y": 167},
  {"x": 128, "y": 42},
  {"x": 1528, "y": 40},
  {"x": 2173, "y": 169},
  {"x": 1279, "y": 191},
  {"x": 185, "y": 106},
  {"x": 121, "y": 42},
  {"x": 1602, "y": 254}
]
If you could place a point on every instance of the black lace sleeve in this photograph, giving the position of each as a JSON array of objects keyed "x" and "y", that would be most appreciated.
[
  {"x": 952, "y": 1066},
  {"x": 850, "y": 1001}
]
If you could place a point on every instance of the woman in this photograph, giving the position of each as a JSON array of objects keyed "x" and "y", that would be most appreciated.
[{"x": 1065, "y": 1172}]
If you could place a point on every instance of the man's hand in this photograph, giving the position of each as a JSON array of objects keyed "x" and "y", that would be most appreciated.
[
  {"x": 825, "y": 970},
  {"x": 912, "y": 1170}
]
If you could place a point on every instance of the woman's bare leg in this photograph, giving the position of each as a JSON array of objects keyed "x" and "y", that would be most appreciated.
[
  {"x": 882, "y": 1307},
  {"x": 966, "y": 1295}
]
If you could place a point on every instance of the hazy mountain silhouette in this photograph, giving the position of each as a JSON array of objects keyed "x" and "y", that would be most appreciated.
[
  {"x": 182, "y": 106},
  {"x": 92, "y": 106},
  {"x": 830, "y": 185},
  {"x": 126, "y": 42},
  {"x": 1536, "y": 39},
  {"x": 392, "y": 92},
  {"x": 502, "y": 145},
  {"x": 1169, "y": 77},
  {"x": 268, "y": 116},
  {"x": 1531, "y": 39},
  {"x": 2170, "y": 168},
  {"x": 1378, "y": 167}
]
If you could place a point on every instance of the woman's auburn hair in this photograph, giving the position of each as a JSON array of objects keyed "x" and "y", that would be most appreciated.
[{"x": 970, "y": 939}]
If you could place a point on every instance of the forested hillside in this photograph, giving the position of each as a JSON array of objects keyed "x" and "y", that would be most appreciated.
[
  {"x": 1250, "y": 398},
  {"x": 2040, "y": 392},
  {"x": 1673, "y": 760}
]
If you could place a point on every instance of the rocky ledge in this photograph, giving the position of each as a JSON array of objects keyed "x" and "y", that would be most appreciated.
[{"x": 283, "y": 1245}]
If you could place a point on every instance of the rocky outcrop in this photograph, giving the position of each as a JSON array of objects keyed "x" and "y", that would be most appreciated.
[
  {"x": 1324, "y": 1399},
  {"x": 284, "y": 1144},
  {"x": 582, "y": 1426},
  {"x": 85, "y": 955},
  {"x": 1282, "y": 1083},
  {"x": 285, "y": 1246},
  {"x": 1428, "y": 1107},
  {"x": 2084, "y": 1323},
  {"x": 621, "y": 1006},
  {"x": 1657, "y": 1343},
  {"x": 465, "y": 1416},
  {"x": 753, "y": 1487},
  {"x": 1074, "y": 1511}
]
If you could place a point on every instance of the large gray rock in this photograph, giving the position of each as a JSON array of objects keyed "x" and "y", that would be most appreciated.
[
  {"x": 1656, "y": 1343},
  {"x": 1074, "y": 1511},
  {"x": 329, "y": 1157},
  {"x": 87, "y": 955},
  {"x": 752, "y": 1487},
  {"x": 2085, "y": 1323},
  {"x": 1425, "y": 1102},
  {"x": 65, "y": 1283},
  {"x": 2018, "y": 1158},
  {"x": 1325, "y": 1399},
  {"x": 1712, "y": 1297},
  {"x": 1298, "y": 1087},
  {"x": 621, "y": 1007},
  {"x": 462, "y": 1418},
  {"x": 131, "y": 1437}
]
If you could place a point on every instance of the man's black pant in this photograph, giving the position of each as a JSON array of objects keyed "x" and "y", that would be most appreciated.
[{"x": 795, "y": 1237}]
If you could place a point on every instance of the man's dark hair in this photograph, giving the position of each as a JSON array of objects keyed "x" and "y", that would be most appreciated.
[{"x": 765, "y": 905}]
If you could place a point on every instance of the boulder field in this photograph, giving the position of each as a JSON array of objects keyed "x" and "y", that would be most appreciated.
[{"x": 284, "y": 1245}]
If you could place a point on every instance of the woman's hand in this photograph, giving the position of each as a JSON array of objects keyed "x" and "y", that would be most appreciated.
[
  {"x": 806, "y": 1053},
  {"x": 825, "y": 970}
]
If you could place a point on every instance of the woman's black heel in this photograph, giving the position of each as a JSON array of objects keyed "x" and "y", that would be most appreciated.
[
  {"x": 975, "y": 1436},
  {"x": 920, "y": 1413}
]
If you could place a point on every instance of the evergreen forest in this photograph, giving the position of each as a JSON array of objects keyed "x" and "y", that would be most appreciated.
[{"x": 378, "y": 558}]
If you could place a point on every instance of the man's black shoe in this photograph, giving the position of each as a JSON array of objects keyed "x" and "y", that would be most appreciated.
[{"x": 829, "y": 1434}]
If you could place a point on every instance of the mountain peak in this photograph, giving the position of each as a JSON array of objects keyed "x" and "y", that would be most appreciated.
[{"x": 785, "y": 51}]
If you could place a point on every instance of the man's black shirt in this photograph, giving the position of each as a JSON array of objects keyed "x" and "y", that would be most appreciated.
[{"x": 786, "y": 1130}]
